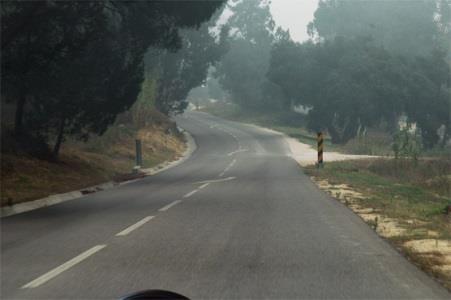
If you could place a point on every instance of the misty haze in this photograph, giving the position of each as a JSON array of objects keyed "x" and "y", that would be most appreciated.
[{"x": 226, "y": 149}]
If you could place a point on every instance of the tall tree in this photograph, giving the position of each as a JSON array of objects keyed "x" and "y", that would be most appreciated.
[
  {"x": 350, "y": 84},
  {"x": 404, "y": 27},
  {"x": 177, "y": 72},
  {"x": 242, "y": 70},
  {"x": 79, "y": 63}
]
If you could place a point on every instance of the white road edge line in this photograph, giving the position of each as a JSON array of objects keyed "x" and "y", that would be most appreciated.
[
  {"x": 232, "y": 163},
  {"x": 227, "y": 168},
  {"x": 58, "y": 270},
  {"x": 190, "y": 193},
  {"x": 237, "y": 151},
  {"x": 165, "y": 208},
  {"x": 204, "y": 185},
  {"x": 135, "y": 226}
]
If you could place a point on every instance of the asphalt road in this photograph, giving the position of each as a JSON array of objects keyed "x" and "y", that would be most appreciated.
[{"x": 238, "y": 219}]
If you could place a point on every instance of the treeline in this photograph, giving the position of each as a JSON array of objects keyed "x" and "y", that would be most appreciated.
[
  {"x": 70, "y": 67},
  {"x": 367, "y": 65},
  {"x": 349, "y": 85}
]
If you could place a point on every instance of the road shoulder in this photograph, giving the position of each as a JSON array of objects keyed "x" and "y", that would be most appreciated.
[{"x": 76, "y": 194}]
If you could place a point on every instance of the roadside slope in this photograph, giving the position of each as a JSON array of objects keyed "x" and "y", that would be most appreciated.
[{"x": 107, "y": 158}]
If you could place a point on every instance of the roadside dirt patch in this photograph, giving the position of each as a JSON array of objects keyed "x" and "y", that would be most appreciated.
[
  {"x": 384, "y": 226},
  {"x": 342, "y": 192},
  {"x": 432, "y": 254},
  {"x": 306, "y": 155},
  {"x": 436, "y": 252},
  {"x": 431, "y": 246}
]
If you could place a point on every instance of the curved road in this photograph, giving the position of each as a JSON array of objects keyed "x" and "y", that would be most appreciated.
[{"x": 238, "y": 219}]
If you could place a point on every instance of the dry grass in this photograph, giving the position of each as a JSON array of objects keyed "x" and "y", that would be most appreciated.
[
  {"x": 375, "y": 142},
  {"x": 404, "y": 201},
  {"x": 102, "y": 159},
  {"x": 432, "y": 174}
]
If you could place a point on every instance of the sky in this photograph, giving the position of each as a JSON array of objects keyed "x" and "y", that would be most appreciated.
[
  {"x": 294, "y": 15},
  {"x": 288, "y": 14}
]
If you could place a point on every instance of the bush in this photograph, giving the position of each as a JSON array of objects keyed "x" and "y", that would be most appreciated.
[
  {"x": 372, "y": 143},
  {"x": 407, "y": 143},
  {"x": 433, "y": 174}
]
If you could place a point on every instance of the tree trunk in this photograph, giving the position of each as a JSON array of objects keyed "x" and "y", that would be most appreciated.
[
  {"x": 59, "y": 139},
  {"x": 334, "y": 136},
  {"x": 18, "y": 121},
  {"x": 445, "y": 137}
]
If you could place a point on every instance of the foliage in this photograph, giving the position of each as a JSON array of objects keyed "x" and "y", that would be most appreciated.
[
  {"x": 349, "y": 84},
  {"x": 179, "y": 72},
  {"x": 403, "y": 27},
  {"x": 72, "y": 66},
  {"x": 241, "y": 72},
  {"x": 370, "y": 142},
  {"x": 406, "y": 143},
  {"x": 142, "y": 113}
]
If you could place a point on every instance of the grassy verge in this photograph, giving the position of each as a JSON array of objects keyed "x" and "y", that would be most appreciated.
[
  {"x": 290, "y": 123},
  {"x": 294, "y": 125},
  {"x": 110, "y": 157},
  {"x": 404, "y": 201}
]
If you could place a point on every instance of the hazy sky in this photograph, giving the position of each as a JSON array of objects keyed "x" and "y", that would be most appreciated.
[{"x": 294, "y": 15}]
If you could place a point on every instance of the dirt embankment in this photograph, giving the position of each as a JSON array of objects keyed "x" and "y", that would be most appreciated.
[{"x": 101, "y": 159}]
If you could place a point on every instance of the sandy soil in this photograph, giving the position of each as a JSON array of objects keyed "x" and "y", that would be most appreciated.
[
  {"x": 306, "y": 155},
  {"x": 434, "y": 252},
  {"x": 386, "y": 227},
  {"x": 433, "y": 248}
]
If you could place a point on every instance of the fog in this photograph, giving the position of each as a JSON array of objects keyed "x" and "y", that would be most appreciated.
[{"x": 294, "y": 15}]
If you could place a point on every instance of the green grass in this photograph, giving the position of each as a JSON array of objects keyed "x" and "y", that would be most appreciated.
[
  {"x": 394, "y": 193},
  {"x": 414, "y": 194}
]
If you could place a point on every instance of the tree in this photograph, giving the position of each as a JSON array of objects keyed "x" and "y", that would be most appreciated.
[
  {"x": 241, "y": 72},
  {"x": 215, "y": 90},
  {"x": 350, "y": 84},
  {"x": 180, "y": 71},
  {"x": 403, "y": 27},
  {"x": 429, "y": 100},
  {"x": 47, "y": 46},
  {"x": 37, "y": 37}
]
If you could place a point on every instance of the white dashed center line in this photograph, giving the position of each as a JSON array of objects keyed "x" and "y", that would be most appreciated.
[
  {"x": 135, "y": 226},
  {"x": 165, "y": 208},
  {"x": 67, "y": 265},
  {"x": 217, "y": 180}
]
